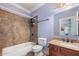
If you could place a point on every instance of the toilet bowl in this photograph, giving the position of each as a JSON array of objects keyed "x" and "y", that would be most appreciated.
[{"x": 37, "y": 49}]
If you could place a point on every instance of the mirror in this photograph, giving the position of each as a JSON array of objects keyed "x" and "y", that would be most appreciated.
[{"x": 68, "y": 26}]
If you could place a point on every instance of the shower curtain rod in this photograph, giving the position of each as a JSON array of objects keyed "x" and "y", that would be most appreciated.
[{"x": 43, "y": 20}]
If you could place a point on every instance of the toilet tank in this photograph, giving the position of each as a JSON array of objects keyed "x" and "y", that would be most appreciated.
[{"x": 42, "y": 41}]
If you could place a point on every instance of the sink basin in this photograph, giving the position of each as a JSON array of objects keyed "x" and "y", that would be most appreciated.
[{"x": 70, "y": 45}]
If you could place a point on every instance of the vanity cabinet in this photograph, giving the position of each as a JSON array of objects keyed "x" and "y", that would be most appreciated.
[
  {"x": 69, "y": 52},
  {"x": 55, "y": 50}
]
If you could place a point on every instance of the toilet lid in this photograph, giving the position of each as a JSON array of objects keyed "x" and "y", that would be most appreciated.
[{"x": 37, "y": 47}]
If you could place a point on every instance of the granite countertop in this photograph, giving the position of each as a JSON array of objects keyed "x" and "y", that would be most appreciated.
[{"x": 73, "y": 46}]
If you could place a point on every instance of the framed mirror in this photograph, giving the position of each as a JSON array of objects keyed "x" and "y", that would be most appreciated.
[{"x": 68, "y": 26}]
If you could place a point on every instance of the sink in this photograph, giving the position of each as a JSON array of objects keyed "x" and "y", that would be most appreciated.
[{"x": 69, "y": 45}]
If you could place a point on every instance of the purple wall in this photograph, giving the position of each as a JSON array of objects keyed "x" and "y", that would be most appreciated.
[
  {"x": 45, "y": 29},
  {"x": 44, "y": 11},
  {"x": 50, "y": 28}
]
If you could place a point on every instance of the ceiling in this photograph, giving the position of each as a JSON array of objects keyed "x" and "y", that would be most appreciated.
[{"x": 29, "y": 7}]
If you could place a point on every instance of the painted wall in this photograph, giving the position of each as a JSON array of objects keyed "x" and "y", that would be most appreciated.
[
  {"x": 45, "y": 29},
  {"x": 50, "y": 28},
  {"x": 44, "y": 11}
]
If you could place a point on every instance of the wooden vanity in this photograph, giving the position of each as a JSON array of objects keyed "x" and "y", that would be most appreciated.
[{"x": 61, "y": 48}]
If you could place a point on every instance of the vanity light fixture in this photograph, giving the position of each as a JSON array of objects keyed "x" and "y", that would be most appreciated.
[
  {"x": 77, "y": 16},
  {"x": 62, "y": 5}
]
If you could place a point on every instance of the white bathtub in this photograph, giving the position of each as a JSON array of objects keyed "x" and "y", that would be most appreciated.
[{"x": 18, "y": 50}]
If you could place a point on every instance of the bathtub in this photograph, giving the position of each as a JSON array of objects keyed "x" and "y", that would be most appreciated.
[{"x": 18, "y": 50}]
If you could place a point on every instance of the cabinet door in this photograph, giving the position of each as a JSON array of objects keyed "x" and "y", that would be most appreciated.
[{"x": 54, "y": 50}]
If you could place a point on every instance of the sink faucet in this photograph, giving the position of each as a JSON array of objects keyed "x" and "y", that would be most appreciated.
[{"x": 67, "y": 39}]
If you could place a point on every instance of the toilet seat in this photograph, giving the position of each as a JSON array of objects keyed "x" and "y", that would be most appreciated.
[{"x": 37, "y": 48}]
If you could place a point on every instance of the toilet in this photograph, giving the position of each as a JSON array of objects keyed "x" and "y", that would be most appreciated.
[{"x": 37, "y": 49}]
